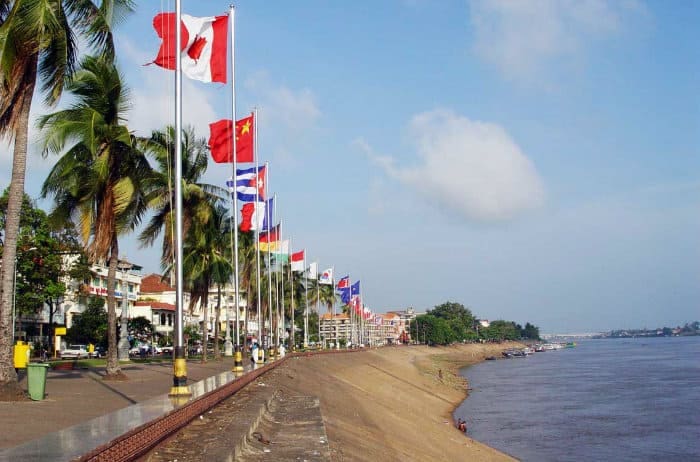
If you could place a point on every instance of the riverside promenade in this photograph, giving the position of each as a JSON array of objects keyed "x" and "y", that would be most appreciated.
[
  {"x": 81, "y": 411},
  {"x": 389, "y": 404}
]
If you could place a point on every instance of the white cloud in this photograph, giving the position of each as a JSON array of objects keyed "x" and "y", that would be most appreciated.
[
  {"x": 473, "y": 168},
  {"x": 293, "y": 110},
  {"x": 521, "y": 38},
  {"x": 287, "y": 116}
]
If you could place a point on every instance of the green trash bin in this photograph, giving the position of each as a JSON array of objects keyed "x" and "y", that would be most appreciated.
[{"x": 36, "y": 380}]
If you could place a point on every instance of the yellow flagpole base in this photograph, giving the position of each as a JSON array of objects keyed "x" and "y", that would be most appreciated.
[
  {"x": 237, "y": 369},
  {"x": 180, "y": 391}
]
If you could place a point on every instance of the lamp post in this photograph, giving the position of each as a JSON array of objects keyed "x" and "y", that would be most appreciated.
[{"x": 123, "y": 345}]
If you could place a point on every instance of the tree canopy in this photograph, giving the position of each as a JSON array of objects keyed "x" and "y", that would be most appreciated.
[{"x": 452, "y": 322}]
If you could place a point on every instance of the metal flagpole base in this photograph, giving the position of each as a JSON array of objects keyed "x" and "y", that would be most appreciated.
[
  {"x": 261, "y": 356},
  {"x": 179, "y": 387},
  {"x": 238, "y": 360}
]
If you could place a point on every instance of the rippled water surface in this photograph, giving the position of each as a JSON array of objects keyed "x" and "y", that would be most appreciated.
[{"x": 621, "y": 399}]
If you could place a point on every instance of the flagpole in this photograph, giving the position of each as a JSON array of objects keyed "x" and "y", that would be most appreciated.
[
  {"x": 234, "y": 166},
  {"x": 318, "y": 309},
  {"x": 337, "y": 330},
  {"x": 279, "y": 315},
  {"x": 306, "y": 304},
  {"x": 179, "y": 387},
  {"x": 269, "y": 267},
  {"x": 257, "y": 228},
  {"x": 292, "y": 329},
  {"x": 291, "y": 296}
]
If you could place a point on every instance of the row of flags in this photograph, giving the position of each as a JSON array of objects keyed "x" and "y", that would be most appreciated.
[{"x": 204, "y": 57}]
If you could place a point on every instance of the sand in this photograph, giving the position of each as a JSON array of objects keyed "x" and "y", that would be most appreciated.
[{"x": 391, "y": 404}]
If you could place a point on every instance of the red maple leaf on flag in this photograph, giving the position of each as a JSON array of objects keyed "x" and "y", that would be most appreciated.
[{"x": 195, "y": 50}]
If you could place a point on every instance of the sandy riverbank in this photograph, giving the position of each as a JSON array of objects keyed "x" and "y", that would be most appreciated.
[{"x": 391, "y": 404}]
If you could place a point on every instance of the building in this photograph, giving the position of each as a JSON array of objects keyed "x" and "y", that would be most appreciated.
[
  {"x": 128, "y": 284},
  {"x": 335, "y": 328},
  {"x": 402, "y": 324}
]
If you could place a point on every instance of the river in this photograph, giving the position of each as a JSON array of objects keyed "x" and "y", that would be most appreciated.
[{"x": 610, "y": 399}]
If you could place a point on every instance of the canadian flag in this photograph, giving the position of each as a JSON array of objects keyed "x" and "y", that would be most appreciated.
[
  {"x": 253, "y": 214},
  {"x": 204, "y": 45}
]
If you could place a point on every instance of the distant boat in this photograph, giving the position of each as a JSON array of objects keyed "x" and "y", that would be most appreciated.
[
  {"x": 513, "y": 353},
  {"x": 571, "y": 345}
]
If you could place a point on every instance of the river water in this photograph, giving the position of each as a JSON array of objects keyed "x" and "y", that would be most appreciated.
[{"x": 605, "y": 400}]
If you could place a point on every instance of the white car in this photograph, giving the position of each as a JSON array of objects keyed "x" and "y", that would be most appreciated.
[{"x": 75, "y": 352}]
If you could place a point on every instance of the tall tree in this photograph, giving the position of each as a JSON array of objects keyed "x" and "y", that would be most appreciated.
[
  {"x": 98, "y": 182},
  {"x": 197, "y": 196},
  {"x": 37, "y": 43},
  {"x": 205, "y": 261}
]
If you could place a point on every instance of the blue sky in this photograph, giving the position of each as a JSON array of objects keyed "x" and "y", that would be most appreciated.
[{"x": 536, "y": 161}]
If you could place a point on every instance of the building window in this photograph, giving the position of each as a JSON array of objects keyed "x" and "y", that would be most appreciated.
[
  {"x": 162, "y": 319},
  {"x": 170, "y": 319}
]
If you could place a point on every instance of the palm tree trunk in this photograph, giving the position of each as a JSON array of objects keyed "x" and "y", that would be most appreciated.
[
  {"x": 113, "y": 369},
  {"x": 217, "y": 322},
  {"x": 205, "y": 328},
  {"x": 9, "y": 388}
]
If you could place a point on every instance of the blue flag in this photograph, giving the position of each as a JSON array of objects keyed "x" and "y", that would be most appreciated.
[
  {"x": 355, "y": 289},
  {"x": 345, "y": 294}
]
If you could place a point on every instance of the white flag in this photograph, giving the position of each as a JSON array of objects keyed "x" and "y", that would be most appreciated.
[
  {"x": 326, "y": 277},
  {"x": 312, "y": 271}
]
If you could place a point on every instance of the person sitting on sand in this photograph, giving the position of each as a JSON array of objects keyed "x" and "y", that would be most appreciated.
[{"x": 462, "y": 425}]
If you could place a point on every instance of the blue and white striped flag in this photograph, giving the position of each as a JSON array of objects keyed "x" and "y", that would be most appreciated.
[{"x": 247, "y": 181}]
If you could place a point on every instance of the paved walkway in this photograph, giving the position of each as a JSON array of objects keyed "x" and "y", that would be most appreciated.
[{"x": 89, "y": 411}]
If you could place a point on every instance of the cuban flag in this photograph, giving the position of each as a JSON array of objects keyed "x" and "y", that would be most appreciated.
[{"x": 248, "y": 181}]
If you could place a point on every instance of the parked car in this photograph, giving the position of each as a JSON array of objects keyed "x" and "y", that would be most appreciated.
[
  {"x": 167, "y": 350},
  {"x": 75, "y": 352},
  {"x": 99, "y": 352}
]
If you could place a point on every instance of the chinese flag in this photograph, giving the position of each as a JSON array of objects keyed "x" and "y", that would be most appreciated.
[{"x": 221, "y": 140}]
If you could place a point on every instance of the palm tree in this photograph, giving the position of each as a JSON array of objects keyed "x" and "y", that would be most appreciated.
[
  {"x": 205, "y": 261},
  {"x": 99, "y": 180},
  {"x": 197, "y": 197},
  {"x": 37, "y": 42},
  {"x": 322, "y": 294},
  {"x": 247, "y": 273}
]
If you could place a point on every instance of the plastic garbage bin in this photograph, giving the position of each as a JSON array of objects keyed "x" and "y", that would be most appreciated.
[
  {"x": 21, "y": 355},
  {"x": 36, "y": 380}
]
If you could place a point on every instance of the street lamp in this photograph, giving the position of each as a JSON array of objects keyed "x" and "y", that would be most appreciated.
[{"x": 123, "y": 345}]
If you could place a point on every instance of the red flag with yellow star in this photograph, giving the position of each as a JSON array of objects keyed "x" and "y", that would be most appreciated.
[{"x": 221, "y": 140}]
